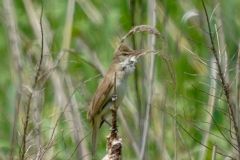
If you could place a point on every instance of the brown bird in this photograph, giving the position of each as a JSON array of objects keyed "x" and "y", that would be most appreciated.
[{"x": 123, "y": 64}]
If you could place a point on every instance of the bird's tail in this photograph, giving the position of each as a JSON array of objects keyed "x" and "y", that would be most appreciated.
[{"x": 95, "y": 128}]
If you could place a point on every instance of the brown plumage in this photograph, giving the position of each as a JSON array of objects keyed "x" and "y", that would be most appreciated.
[{"x": 123, "y": 64}]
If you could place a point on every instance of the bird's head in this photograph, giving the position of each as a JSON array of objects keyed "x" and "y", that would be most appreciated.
[{"x": 126, "y": 58}]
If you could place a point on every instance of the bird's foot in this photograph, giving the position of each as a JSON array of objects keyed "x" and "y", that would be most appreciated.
[
  {"x": 114, "y": 97},
  {"x": 114, "y": 129}
]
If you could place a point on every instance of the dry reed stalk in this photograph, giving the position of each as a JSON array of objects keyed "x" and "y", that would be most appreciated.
[
  {"x": 238, "y": 87},
  {"x": 152, "y": 44},
  {"x": 211, "y": 101},
  {"x": 136, "y": 71},
  {"x": 214, "y": 152},
  {"x": 16, "y": 62},
  {"x": 114, "y": 143},
  {"x": 67, "y": 33},
  {"x": 224, "y": 83},
  {"x": 58, "y": 83},
  {"x": 26, "y": 122}
]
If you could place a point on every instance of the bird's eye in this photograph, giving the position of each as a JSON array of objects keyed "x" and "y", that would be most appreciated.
[{"x": 125, "y": 54}]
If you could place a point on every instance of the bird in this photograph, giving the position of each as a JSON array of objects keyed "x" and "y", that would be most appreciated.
[{"x": 123, "y": 64}]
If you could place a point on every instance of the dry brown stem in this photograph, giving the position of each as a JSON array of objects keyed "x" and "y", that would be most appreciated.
[
  {"x": 114, "y": 143},
  {"x": 224, "y": 83}
]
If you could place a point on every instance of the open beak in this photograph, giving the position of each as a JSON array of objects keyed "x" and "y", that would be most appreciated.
[
  {"x": 135, "y": 55},
  {"x": 137, "y": 52}
]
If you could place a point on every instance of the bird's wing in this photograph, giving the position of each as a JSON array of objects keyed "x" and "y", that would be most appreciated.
[{"x": 102, "y": 95}]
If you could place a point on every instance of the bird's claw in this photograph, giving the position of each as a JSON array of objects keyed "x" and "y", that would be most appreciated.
[
  {"x": 116, "y": 130},
  {"x": 114, "y": 97}
]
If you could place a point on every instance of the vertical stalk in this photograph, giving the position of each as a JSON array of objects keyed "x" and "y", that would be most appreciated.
[
  {"x": 211, "y": 101},
  {"x": 238, "y": 87},
  {"x": 214, "y": 152},
  {"x": 150, "y": 92},
  {"x": 67, "y": 33},
  {"x": 15, "y": 50},
  {"x": 132, "y": 4},
  {"x": 225, "y": 86}
]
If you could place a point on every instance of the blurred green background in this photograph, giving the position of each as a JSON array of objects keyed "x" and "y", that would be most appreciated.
[{"x": 79, "y": 39}]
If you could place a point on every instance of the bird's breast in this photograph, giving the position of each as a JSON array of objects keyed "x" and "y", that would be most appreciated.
[{"x": 120, "y": 90}]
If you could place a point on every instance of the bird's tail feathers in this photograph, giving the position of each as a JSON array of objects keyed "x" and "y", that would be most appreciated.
[{"x": 95, "y": 128}]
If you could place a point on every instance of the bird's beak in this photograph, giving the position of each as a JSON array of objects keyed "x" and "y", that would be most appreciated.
[
  {"x": 137, "y": 52},
  {"x": 135, "y": 55}
]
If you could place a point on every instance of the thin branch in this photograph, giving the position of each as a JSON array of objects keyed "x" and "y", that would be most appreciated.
[
  {"x": 78, "y": 146},
  {"x": 42, "y": 47},
  {"x": 221, "y": 131},
  {"x": 26, "y": 123},
  {"x": 214, "y": 11},
  {"x": 114, "y": 110},
  {"x": 195, "y": 41},
  {"x": 185, "y": 146},
  {"x": 226, "y": 88},
  {"x": 238, "y": 87},
  {"x": 206, "y": 65},
  {"x": 200, "y": 28},
  {"x": 190, "y": 121},
  {"x": 204, "y": 77},
  {"x": 63, "y": 112},
  {"x": 194, "y": 125},
  {"x": 209, "y": 86},
  {"x": 183, "y": 128},
  {"x": 194, "y": 55},
  {"x": 219, "y": 98},
  {"x": 219, "y": 109}
]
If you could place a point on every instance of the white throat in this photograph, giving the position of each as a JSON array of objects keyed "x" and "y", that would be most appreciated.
[{"x": 128, "y": 65}]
